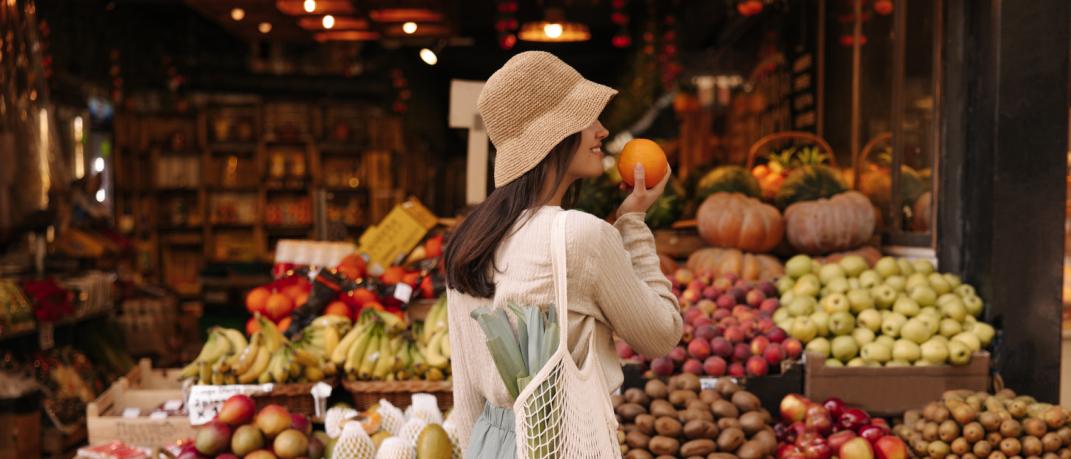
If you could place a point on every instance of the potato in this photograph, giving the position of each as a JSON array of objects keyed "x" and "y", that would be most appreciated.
[
  {"x": 751, "y": 450},
  {"x": 664, "y": 445},
  {"x": 709, "y": 396},
  {"x": 638, "y": 454},
  {"x": 699, "y": 428},
  {"x": 661, "y": 408},
  {"x": 700, "y": 447},
  {"x": 724, "y": 409},
  {"x": 668, "y": 427},
  {"x": 730, "y": 439},
  {"x": 689, "y": 415},
  {"x": 746, "y": 401},
  {"x": 629, "y": 411},
  {"x": 680, "y": 398},
  {"x": 645, "y": 423},
  {"x": 729, "y": 423},
  {"x": 751, "y": 422},
  {"x": 656, "y": 389},
  {"x": 637, "y": 440}
]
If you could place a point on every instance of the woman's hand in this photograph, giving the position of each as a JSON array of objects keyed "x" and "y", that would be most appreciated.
[{"x": 641, "y": 198}]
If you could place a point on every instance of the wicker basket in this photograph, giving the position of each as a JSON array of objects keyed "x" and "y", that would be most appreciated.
[
  {"x": 296, "y": 397},
  {"x": 759, "y": 146},
  {"x": 399, "y": 393}
]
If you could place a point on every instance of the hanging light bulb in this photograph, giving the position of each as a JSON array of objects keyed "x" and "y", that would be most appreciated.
[
  {"x": 101, "y": 195},
  {"x": 237, "y": 14},
  {"x": 264, "y": 27},
  {"x": 553, "y": 30},
  {"x": 310, "y": 6},
  {"x": 98, "y": 165},
  {"x": 329, "y": 21},
  {"x": 428, "y": 56},
  {"x": 409, "y": 27}
]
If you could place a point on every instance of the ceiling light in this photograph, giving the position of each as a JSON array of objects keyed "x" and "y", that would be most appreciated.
[
  {"x": 237, "y": 14},
  {"x": 409, "y": 27},
  {"x": 428, "y": 56},
  {"x": 98, "y": 164},
  {"x": 264, "y": 27},
  {"x": 554, "y": 28},
  {"x": 329, "y": 21},
  {"x": 101, "y": 195},
  {"x": 310, "y": 6}
]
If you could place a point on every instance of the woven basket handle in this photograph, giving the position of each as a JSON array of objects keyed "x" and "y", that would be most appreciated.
[
  {"x": 760, "y": 144},
  {"x": 864, "y": 155}
]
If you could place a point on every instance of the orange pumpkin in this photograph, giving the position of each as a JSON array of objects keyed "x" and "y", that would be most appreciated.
[
  {"x": 735, "y": 221},
  {"x": 731, "y": 261},
  {"x": 843, "y": 222},
  {"x": 869, "y": 253}
]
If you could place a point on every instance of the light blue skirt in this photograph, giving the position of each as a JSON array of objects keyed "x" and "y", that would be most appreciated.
[{"x": 493, "y": 436}]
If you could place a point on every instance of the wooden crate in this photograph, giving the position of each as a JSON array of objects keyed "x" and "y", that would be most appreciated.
[{"x": 146, "y": 389}]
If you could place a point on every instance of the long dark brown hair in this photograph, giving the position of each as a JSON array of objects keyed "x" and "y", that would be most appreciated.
[{"x": 470, "y": 251}]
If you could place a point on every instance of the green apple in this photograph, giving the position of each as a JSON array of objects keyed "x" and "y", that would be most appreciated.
[
  {"x": 797, "y": 266},
  {"x": 906, "y": 350},
  {"x": 887, "y": 266},
  {"x": 802, "y": 306},
  {"x": 923, "y": 295},
  {"x": 945, "y": 298},
  {"x": 863, "y": 335},
  {"x": 810, "y": 289},
  {"x": 837, "y": 302},
  {"x": 885, "y": 313},
  {"x": 834, "y": 363},
  {"x": 922, "y": 266},
  {"x": 876, "y": 352},
  {"x": 950, "y": 328},
  {"x": 860, "y": 300},
  {"x": 856, "y": 362},
  {"x": 974, "y": 305},
  {"x": 892, "y": 324},
  {"x": 785, "y": 284},
  {"x": 932, "y": 322},
  {"x": 841, "y": 323},
  {"x": 906, "y": 306},
  {"x": 905, "y": 266},
  {"x": 836, "y": 285},
  {"x": 939, "y": 338},
  {"x": 853, "y": 265},
  {"x": 820, "y": 346},
  {"x": 803, "y": 329},
  {"x": 934, "y": 351},
  {"x": 780, "y": 315},
  {"x": 965, "y": 290},
  {"x": 959, "y": 353},
  {"x": 939, "y": 284},
  {"x": 897, "y": 363},
  {"x": 923, "y": 363},
  {"x": 884, "y": 296},
  {"x": 930, "y": 311},
  {"x": 915, "y": 330},
  {"x": 830, "y": 272},
  {"x": 916, "y": 280},
  {"x": 953, "y": 280},
  {"x": 844, "y": 348},
  {"x": 984, "y": 332},
  {"x": 897, "y": 283},
  {"x": 821, "y": 320},
  {"x": 969, "y": 339},
  {"x": 870, "y": 279},
  {"x": 870, "y": 319},
  {"x": 853, "y": 284},
  {"x": 954, "y": 311},
  {"x": 787, "y": 298}
]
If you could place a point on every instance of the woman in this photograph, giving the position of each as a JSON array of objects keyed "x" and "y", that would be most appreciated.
[{"x": 542, "y": 117}]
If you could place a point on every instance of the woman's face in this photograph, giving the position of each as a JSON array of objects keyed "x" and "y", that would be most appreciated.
[{"x": 587, "y": 162}]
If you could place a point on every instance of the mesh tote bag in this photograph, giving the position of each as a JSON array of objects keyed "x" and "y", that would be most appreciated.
[{"x": 565, "y": 410}]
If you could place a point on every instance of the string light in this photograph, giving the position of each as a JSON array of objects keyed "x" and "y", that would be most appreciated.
[
  {"x": 409, "y": 27},
  {"x": 553, "y": 30},
  {"x": 264, "y": 27},
  {"x": 310, "y": 6},
  {"x": 428, "y": 56},
  {"x": 237, "y": 14},
  {"x": 329, "y": 21}
]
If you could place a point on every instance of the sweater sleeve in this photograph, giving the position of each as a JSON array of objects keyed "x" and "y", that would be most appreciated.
[
  {"x": 629, "y": 287},
  {"x": 468, "y": 401}
]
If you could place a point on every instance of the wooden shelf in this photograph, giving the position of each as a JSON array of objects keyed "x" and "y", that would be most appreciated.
[
  {"x": 233, "y": 225},
  {"x": 177, "y": 189},
  {"x": 233, "y": 147},
  {"x": 288, "y": 228},
  {"x": 358, "y": 190},
  {"x": 341, "y": 149},
  {"x": 66, "y": 321},
  {"x": 233, "y": 189}
]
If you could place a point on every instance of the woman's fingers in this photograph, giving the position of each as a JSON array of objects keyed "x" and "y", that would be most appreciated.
[{"x": 640, "y": 178}]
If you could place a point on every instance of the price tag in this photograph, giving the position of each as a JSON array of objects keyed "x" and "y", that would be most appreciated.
[
  {"x": 158, "y": 415},
  {"x": 45, "y": 336},
  {"x": 206, "y": 401},
  {"x": 403, "y": 292},
  {"x": 131, "y": 412},
  {"x": 173, "y": 405},
  {"x": 709, "y": 383}
]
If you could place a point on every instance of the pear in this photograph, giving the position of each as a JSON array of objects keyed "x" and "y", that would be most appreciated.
[
  {"x": 892, "y": 324},
  {"x": 870, "y": 279},
  {"x": 906, "y": 350},
  {"x": 797, "y": 266},
  {"x": 886, "y": 341},
  {"x": 905, "y": 266},
  {"x": 887, "y": 266},
  {"x": 898, "y": 283},
  {"x": 922, "y": 266},
  {"x": 863, "y": 336},
  {"x": 970, "y": 340},
  {"x": 934, "y": 351},
  {"x": 984, "y": 332},
  {"x": 870, "y": 319},
  {"x": 831, "y": 271},
  {"x": 821, "y": 320},
  {"x": 916, "y": 330},
  {"x": 876, "y": 353},
  {"x": 906, "y": 306},
  {"x": 950, "y": 328},
  {"x": 853, "y": 265},
  {"x": 820, "y": 346}
]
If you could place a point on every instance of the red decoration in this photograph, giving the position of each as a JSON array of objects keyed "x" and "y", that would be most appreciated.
[
  {"x": 749, "y": 7},
  {"x": 883, "y": 7}
]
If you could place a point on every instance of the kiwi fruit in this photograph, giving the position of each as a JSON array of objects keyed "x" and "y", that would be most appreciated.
[
  {"x": 729, "y": 423},
  {"x": 767, "y": 439},
  {"x": 664, "y": 446},
  {"x": 746, "y": 401},
  {"x": 982, "y": 449},
  {"x": 617, "y": 400},
  {"x": 709, "y": 396},
  {"x": 1011, "y": 447},
  {"x": 726, "y": 387},
  {"x": 680, "y": 397},
  {"x": 661, "y": 408},
  {"x": 697, "y": 404},
  {"x": 690, "y": 415},
  {"x": 698, "y": 428},
  {"x": 929, "y": 433},
  {"x": 1051, "y": 442},
  {"x": 973, "y": 432},
  {"x": 655, "y": 388},
  {"x": 685, "y": 381},
  {"x": 766, "y": 416},
  {"x": 751, "y": 450},
  {"x": 960, "y": 446},
  {"x": 948, "y": 431},
  {"x": 667, "y": 426},
  {"x": 629, "y": 411},
  {"x": 637, "y": 396},
  {"x": 1035, "y": 427},
  {"x": 751, "y": 422},
  {"x": 645, "y": 423},
  {"x": 1032, "y": 446},
  {"x": 1011, "y": 429},
  {"x": 990, "y": 420},
  {"x": 637, "y": 440},
  {"x": 724, "y": 409},
  {"x": 730, "y": 439},
  {"x": 638, "y": 454},
  {"x": 937, "y": 449}
]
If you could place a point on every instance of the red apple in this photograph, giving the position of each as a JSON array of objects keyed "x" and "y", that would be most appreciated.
[
  {"x": 273, "y": 419},
  {"x": 690, "y": 296},
  {"x": 756, "y": 366},
  {"x": 697, "y": 285},
  {"x": 759, "y": 344},
  {"x": 624, "y": 351},
  {"x": 818, "y": 420},
  {"x": 741, "y": 352},
  {"x": 880, "y": 422},
  {"x": 872, "y": 433},
  {"x": 856, "y": 448},
  {"x": 213, "y": 438},
  {"x": 686, "y": 332},
  {"x": 710, "y": 293},
  {"x": 237, "y": 409},
  {"x": 817, "y": 448},
  {"x": 764, "y": 325},
  {"x": 891, "y": 447},
  {"x": 736, "y": 370},
  {"x": 734, "y": 334},
  {"x": 701, "y": 321},
  {"x": 705, "y": 333},
  {"x": 677, "y": 354},
  {"x": 721, "y": 347},
  {"x": 707, "y": 306},
  {"x": 693, "y": 366},
  {"x": 662, "y": 366},
  {"x": 840, "y": 438},
  {"x": 714, "y": 366},
  {"x": 691, "y": 313},
  {"x": 722, "y": 283},
  {"x": 774, "y": 355},
  {"x": 835, "y": 406},
  {"x": 720, "y": 314},
  {"x": 301, "y": 423},
  {"x": 227, "y": 456},
  {"x": 738, "y": 293},
  {"x": 784, "y": 449},
  {"x": 726, "y": 301},
  {"x": 699, "y": 348},
  {"x": 755, "y": 297},
  {"x": 768, "y": 288},
  {"x": 853, "y": 419},
  {"x": 793, "y": 348},
  {"x": 794, "y": 408},
  {"x": 683, "y": 277},
  {"x": 777, "y": 335}
]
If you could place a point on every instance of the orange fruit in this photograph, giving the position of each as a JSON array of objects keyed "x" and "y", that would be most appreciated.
[
  {"x": 647, "y": 153},
  {"x": 393, "y": 275},
  {"x": 294, "y": 291},
  {"x": 256, "y": 299},
  {"x": 337, "y": 308},
  {"x": 278, "y": 306},
  {"x": 301, "y": 299},
  {"x": 375, "y": 306},
  {"x": 434, "y": 246},
  {"x": 252, "y": 326},
  {"x": 352, "y": 266},
  {"x": 363, "y": 296},
  {"x": 412, "y": 279},
  {"x": 284, "y": 324}
]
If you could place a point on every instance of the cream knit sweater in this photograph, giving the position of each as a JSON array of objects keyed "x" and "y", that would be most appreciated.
[{"x": 615, "y": 286}]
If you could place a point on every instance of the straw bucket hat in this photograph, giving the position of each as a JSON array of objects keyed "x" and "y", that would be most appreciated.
[{"x": 530, "y": 105}]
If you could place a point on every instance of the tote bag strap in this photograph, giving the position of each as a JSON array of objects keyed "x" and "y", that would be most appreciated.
[{"x": 561, "y": 281}]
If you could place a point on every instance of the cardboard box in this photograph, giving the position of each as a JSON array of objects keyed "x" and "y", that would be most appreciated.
[
  {"x": 891, "y": 391},
  {"x": 144, "y": 389}
]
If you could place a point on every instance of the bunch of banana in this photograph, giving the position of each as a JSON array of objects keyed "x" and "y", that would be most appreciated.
[
  {"x": 218, "y": 356},
  {"x": 433, "y": 342}
]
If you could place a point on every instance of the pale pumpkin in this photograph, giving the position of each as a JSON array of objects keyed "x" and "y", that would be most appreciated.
[
  {"x": 719, "y": 262},
  {"x": 869, "y": 253},
  {"x": 843, "y": 222},
  {"x": 735, "y": 221}
]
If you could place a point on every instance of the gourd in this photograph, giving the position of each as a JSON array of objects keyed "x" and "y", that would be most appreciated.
[
  {"x": 809, "y": 183},
  {"x": 843, "y": 222},
  {"x": 719, "y": 262},
  {"x": 732, "y": 220},
  {"x": 730, "y": 179}
]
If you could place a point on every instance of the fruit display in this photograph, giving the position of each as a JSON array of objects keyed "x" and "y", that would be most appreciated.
[
  {"x": 979, "y": 425},
  {"x": 773, "y": 173},
  {"x": 809, "y": 183},
  {"x": 647, "y": 153},
  {"x": 386, "y": 431},
  {"x": 735, "y": 221},
  {"x": 387, "y": 350},
  {"x": 727, "y": 179},
  {"x": 842, "y": 222},
  {"x": 241, "y": 431},
  {"x": 728, "y": 329},
  {"x": 678, "y": 419},
  {"x": 809, "y": 430},
  {"x": 898, "y": 313},
  {"x": 724, "y": 262}
]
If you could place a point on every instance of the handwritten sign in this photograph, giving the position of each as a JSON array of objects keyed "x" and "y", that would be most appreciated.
[
  {"x": 206, "y": 401},
  {"x": 396, "y": 234},
  {"x": 709, "y": 383}
]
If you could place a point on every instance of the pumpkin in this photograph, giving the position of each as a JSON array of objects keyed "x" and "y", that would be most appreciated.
[
  {"x": 842, "y": 222},
  {"x": 720, "y": 262},
  {"x": 729, "y": 179},
  {"x": 869, "y": 253},
  {"x": 735, "y": 221},
  {"x": 920, "y": 218},
  {"x": 809, "y": 183}
]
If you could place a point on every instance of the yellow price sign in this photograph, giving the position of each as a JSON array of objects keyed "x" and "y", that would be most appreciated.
[{"x": 395, "y": 236}]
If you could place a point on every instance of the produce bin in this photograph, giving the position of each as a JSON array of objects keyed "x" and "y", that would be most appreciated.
[
  {"x": 399, "y": 393},
  {"x": 677, "y": 243},
  {"x": 889, "y": 391},
  {"x": 770, "y": 389},
  {"x": 106, "y": 422}
]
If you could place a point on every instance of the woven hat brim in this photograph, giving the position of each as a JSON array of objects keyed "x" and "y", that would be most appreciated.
[{"x": 581, "y": 106}]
